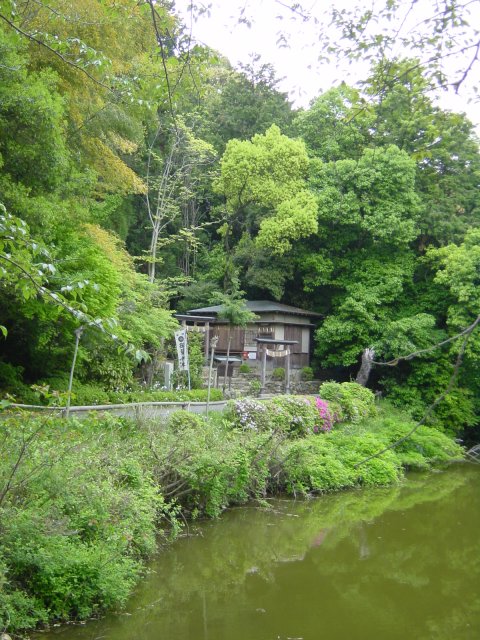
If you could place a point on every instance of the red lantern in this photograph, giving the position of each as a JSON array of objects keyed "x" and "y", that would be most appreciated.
[{"x": 245, "y": 355}]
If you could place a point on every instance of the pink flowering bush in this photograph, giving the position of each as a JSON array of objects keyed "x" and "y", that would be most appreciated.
[
  {"x": 354, "y": 402},
  {"x": 295, "y": 416},
  {"x": 326, "y": 416}
]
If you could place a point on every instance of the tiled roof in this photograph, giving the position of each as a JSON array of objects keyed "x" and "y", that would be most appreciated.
[{"x": 261, "y": 306}]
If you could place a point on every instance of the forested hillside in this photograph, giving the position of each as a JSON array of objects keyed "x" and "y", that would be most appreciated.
[{"x": 141, "y": 175}]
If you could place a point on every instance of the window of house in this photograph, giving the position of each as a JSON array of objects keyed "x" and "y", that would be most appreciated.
[
  {"x": 250, "y": 335},
  {"x": 266, "y": 331}
]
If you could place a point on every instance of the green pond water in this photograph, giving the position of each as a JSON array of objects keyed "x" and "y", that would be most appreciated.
[{"x": 402, "y": 562}]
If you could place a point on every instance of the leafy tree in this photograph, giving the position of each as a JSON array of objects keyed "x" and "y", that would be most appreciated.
[
  {"x": 444, "y": 36},
  {"x": 235, "y": 312},
  {"x": 443, "y": 145},
  {"x": 263, "y": 182},
  {"x": 171, "y": 180},
  {"x": 374, "y": 196},
  {"x": 367, "y": 218},
  {"x": 396, "y": 108},
  {"x": 337, "y": 124},
  {"x": 240, "y": 104}
]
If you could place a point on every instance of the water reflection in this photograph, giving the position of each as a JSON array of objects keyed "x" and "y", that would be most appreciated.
[{"x": 384, "y": 563}]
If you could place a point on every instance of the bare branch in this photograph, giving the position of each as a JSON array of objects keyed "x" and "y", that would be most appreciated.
[
  {"x": 459, "y": 82},
  {"x": 163, "y": 57}
]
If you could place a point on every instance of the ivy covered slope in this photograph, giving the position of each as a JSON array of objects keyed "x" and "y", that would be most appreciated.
[{"x": 82, "y": 503}]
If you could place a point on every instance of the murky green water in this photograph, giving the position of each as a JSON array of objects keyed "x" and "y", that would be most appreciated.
[{"x": 369, "y": 564}]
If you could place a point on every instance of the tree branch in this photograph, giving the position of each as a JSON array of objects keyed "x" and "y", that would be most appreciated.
[
  {"x": 467, "y": 333},
  {"x": 410, "y": 356},
  {"x": 164, "y": 61},
  {"x": 29, "y": 36},
  {"x": 457, "y": 84}
]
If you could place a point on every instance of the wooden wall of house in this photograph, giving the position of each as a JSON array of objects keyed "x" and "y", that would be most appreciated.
[
  {"x": 237, "y": 338},
  {"x": 238, "y": 334},
  {"x": 300, "y": 360},
  {"x": 297, "y": 361}
]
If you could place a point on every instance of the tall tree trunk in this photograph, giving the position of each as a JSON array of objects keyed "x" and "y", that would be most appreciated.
[
  {"x": 153, "y": 256},
  {"x": 365, "y": 368}
]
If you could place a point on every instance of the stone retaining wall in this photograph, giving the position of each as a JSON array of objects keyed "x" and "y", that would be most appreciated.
[{"x": 241, "y": 385}]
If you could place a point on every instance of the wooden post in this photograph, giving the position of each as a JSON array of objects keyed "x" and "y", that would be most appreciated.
[
  {"x": 264, "y": 368},
  {"x": 207, "y": 339},
  {"x": 210, "y": 368},
  {"x": 287, "y": 371}
]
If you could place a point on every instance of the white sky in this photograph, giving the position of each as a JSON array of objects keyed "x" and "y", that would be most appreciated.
[{"x": 304, "y": 77}]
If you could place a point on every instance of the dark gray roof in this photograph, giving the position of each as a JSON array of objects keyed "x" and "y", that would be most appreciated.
[
  {"x": 275, "y": 341},
  {"x": 183, "y": 316},
  {"x": 261, "y": 306}
]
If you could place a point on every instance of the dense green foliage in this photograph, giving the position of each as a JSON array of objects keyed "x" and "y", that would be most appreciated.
[
  {"x": 53, "y": 392},
  {"x": 364, "y": 211},
  {"x": 78, "y": 515},
  {"x": 139, "y": 175},
  {"x": 352, "y": 401},
  {"x": 149, "y": 175},
  {"x": 82, "y": 503}
]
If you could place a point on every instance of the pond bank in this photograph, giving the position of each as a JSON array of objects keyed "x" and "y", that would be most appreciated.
[
  {"x": 367, "y": 564},
  {"x": 84, "y": 501}
]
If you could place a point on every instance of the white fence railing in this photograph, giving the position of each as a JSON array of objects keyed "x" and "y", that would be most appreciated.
[{"x": 134, "y": 410}]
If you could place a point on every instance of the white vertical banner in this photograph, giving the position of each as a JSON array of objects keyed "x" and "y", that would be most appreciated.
[{"x": 182, "y": 349}]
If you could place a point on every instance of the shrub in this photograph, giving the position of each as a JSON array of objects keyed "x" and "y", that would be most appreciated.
[
  {"x": 306, "y": 373},
  {"x": 311, "y": 464},
  {"x": 255, "y": 387},
  {"x": 10, "y": 376},
  {"x": 91, "y": 394},
  {"x": 196, "y": 358},
  {"x": 11, "y": 382},
  {"x": 179, "y": 380},
  {"x": 426, "y": 446},
  {"x": 184, "y": 395},
  {"x": 354, "y": 401},
  {"x": 248, "y": 414},
  {"x": 182, "y": 420},
  {"x": 244, "y": 368},
  {"x": 77, "y": 519},
  {"x": 107, "y": 367},
  {"x": 326, "y": 415},
  {"x": 278, "y": 373},
  {"x": 296, "y": 416},
  {"x": 211, "y": 467},
  {"x": 351, "y": 450},
  {"x": 82, "y": 394},
  {"x": 327, "y": 464}
]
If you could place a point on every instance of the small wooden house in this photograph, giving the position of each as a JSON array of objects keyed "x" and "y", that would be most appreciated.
[{"x": 275, "y": 322}]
